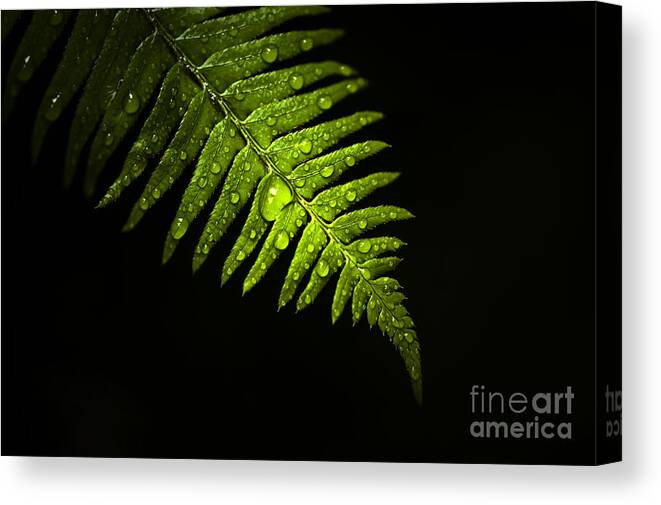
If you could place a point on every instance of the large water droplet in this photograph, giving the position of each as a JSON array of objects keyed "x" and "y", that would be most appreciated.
[
  {"x": 362, "y": 224},
  {"x": 215, "y": 167},
  {"x": 327, "y": 171},
  {"x": 307, "y": 44},
  {"x": 132, "y": 103},
  {"x": 364, "y": 246},
  {"x": 202, "y": 182},
  {"x": 241, "y": 255},
  {"x": 54, "y": 108},
  {"x": 27, "y": 68},
  {"x": 183, "y": 155},
  {"x": 234, "y": 197},
  {"x": 350, "y": 161},
  {"x": 305, "y": 146},
  {"x": 351, "y": 195},
  {"x": 274, "y": 198},
  {"x": 56, "y": 18},
  {"x": 281, "y": 240},
  {"x": 270, "y": 53},
  {"x": 156, "y": 193},
  {"x": 325, "y": 102},
  {"x": 296, "y": 81},
  {"x": 322, "y": 268},
  {"x": 179, "y": 227}
]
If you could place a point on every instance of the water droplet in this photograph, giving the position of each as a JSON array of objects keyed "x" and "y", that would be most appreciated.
[
  {"x": 305, "y": 146},
  {"x": 307, "y": 44},
  {"x": 322, "y": 268},
  {"x": 54, "y": 108},
  {"x": 327, "y": 171},
  {"x": 183, "y": 155},
  {"x": 247, "y": 166},
  {"x": 364, "y": 246},
  {"x": 26, "y": 69},
  {"x": 345, "y": 70},
  {"x": 352, "y": 87},
  {"x": 132, "y": 103},
  {"x": 351, "y": 195},
  {"x": 274, "y": 198},
  {"x": 156, "y": 193},
  {"x": 310, "y": 248},
  {"x": 325, "y": 102},
  {"x": 144, "y": 203},
  {"x": 299, "y": 222},
  {"x": 202, "y": 181},
  {"x": 109, "y": 139},
  {"x": 350, "y": 161},
  {"x": 308, "y": 299},
  {"x": 393, "y": 215},
  {"x": 234, "y": 197},
  {"x": 296, "y": 81},
  {"x": 56, "y": 18},
  {"x": 270, "y": 121},
  {"x": 179, "y": 227},
  {"x": 270, "y": 53},
  {"x": 234, "y": 31},
  {"x": 241, "y": 255},
  {"x": 215, "y": 167},
  {"x": 362, "y": 224},
  {"x": 281, "y": 240},
  {"x": 299, "y": 183}
]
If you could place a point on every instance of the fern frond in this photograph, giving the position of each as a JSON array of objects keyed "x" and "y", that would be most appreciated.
[{"x": 202, "y": 89}]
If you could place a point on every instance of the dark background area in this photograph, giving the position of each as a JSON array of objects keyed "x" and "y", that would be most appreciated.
[{"x": 490, "y": 113}]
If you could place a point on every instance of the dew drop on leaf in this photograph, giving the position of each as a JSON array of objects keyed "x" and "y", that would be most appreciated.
[
  {"x": 179, "y": 228},
  {"x": 55, "y": 18},
  {"x": 132, "y": 103},
  {"x": 322, "y": 268},
  {"x": 215, "y": 167},
  {"x": 362, "y": 224},
  {"x": 364, "y": 246},
  {"x": 327, "y": 171},
  {"x": 325, "y": 102},
  {"x": 234, "y": 197},
  {"x": 350, "y": 161},
  {"x": 274, "y": 198},
  {"x": 270, "y": 53},
  {"x": 305, "y": 146},
  {"x": 296, "y": 81},
  {"x": 241, "y": 255},
  {"x": 351, "y": 195},
  {"x": 281, "y": 240},
  {"x": 183, "y": 155},
  {"x": 306, "y": 44}
]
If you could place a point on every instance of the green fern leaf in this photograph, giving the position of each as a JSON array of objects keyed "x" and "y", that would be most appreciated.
[{"x": 213, "y": 100}]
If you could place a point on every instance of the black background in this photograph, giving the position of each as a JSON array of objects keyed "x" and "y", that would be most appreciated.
[{"x": 490, "y": 113}]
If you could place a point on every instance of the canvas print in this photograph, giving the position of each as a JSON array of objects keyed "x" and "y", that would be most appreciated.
[{"x": 355, "y": 233}]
